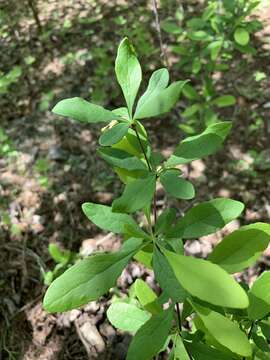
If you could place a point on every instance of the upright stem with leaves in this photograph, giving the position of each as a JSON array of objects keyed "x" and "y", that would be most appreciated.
[{"x": 220, "y": 307}]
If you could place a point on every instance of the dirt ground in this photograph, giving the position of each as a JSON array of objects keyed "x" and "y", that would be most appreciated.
[{"x": 52, "y": 166}]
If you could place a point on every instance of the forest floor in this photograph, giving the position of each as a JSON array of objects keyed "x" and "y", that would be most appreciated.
[{"x": 50, "y": 167}]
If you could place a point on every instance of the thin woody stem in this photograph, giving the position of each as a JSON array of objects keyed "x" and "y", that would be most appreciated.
[
  {"x": 150, "y": 169},
  {"x": 157, "y": 22}
]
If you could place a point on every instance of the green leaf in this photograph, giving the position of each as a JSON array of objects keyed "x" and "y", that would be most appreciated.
[
  {"x": 241, "y": 36},
  {"x": 88, "y": 279},
  {"x": 161, "y": 103},
  {"x": 137, "y": 194},
  {"x": 146, "y": 296},
  {"x": 225, "y": 100},
  {"x": 260, "y": 341},
  {"x": 122, "y": 159},
  {"x": 81, "y": 110},
  {"x": 128, "y": 72},
  {"x": 158, "y": 81},
  {"x": 166, "y": 278},
  {"x": 265, "y": 327},
  {"x": 206, "y": 218},
  {"x": 179, "y": 350},
  {"x": 122, "y": 112},
  {"x": 260, "y": 355},
  {"x": 58, "y": 255},
  {"x": 127, "y": 317},
  {"x": 199, "y": 35},
  {"x": 259, "y": 297},
  {"x": 164, "y": 221},
  {"x": 201, "y": 351},
  {"x": 224, "y": 331},
  {"x": 151, "y": 337},
  {"x": 171, "y": 27},
  {"x": 202, "y": 145},
  {"x": 241, "y": 248},
  {"x": 145, "y": 255},
  {"x": 130, "y": 143},
  {"x": 197, "y": 276},
  {"x": 191, "y": 110},
  {"x": 215, "y": 48},
  {"x": 196, "y": 66},
  {"x": 114, "y": 134},
  {"x": 190, "y": 93},
  {"x": 103, "y": 217},
  {"x": 176, "y": 186}
]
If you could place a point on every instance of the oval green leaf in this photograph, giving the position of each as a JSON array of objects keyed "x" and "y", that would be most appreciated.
[
  {"x": 151, "y": 337},
  {"x": 161, "y": 103},
  {"x": 146, "y": 296},
  {"x": 137, "y": 194},
  {"x": 241, "y": 36},
  {"x": 176, "y": 186},
  {"x": 241, "y": 248},
  {"x": 166, "y": 278},
  {"x": 121, "y": 159},
  {"x": 103, "y": 217},
  {"x": 128, "y": 72},
  {"x": 89, "y": 279},
  {"x": 197, "y": 276},
  {"x": 81, "y": 110},
  {"x": 127, "y": 317},
  {"x": 158, "y": 81},
  {"x": 259, "y": 297},
  {"x": 206, "y": 218},
  {"x": 114, "y": 134},
  {"x": 202, "y": 145},
  {"x": 225, "y": 100},
  {"x": 224, "y": 331}
]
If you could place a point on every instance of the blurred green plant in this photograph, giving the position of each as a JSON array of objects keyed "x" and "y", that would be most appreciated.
[
  {"x": 63, "y": 258},
  {"x": 42, "y": 167},
  {"x": 9, "y": 78},
  {"x": 7, "y": 148},
  {"x": 206, "y": 45}
]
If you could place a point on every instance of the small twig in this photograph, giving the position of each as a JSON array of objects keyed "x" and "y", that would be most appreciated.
[
  {"x": 34, "y": 10},
  {"x": 161, "y": 44},
  {"x": 155, "y": 206}
]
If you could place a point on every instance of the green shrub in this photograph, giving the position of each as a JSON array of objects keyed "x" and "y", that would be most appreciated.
[
  {"x": 229, "y": 320},
  {"x": 206, "y": 43}
]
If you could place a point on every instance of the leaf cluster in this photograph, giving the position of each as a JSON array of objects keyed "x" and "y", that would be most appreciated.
[
  {"x": 229, "y": 319},
  {"x": 206, "y": 44}
]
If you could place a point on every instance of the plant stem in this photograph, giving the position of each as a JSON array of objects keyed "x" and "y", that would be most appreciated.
[
  {"x": 141, "y": 145},
  {"x": 179, "y": 317},
  {"x": 34, "y": 10},
  {"x": 150, "y": 169},
  {"x": 155, "y": 207},
  {"x": 161, "y": 44}
]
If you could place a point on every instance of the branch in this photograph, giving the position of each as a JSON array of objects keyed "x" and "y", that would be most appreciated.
[{"x": 164, "y": 55}]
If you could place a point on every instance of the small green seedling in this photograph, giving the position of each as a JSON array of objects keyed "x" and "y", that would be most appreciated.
[
  {"x": 63, "y": 258},
  {"x": 230, "y": 321}
]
